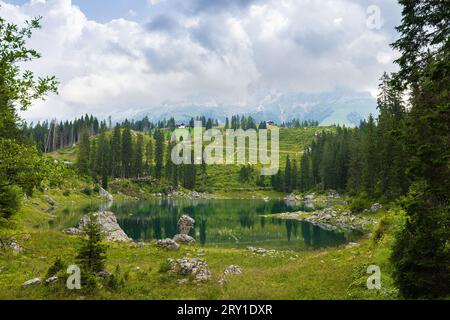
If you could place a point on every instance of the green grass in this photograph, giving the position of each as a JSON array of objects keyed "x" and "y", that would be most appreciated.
[
  {"x": 332, "y": 273},
  {"x": 221, "y": 178},
  {"x": 324, "y": 274}
]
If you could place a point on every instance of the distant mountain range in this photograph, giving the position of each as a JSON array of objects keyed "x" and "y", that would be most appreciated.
[{"x": 344, "y": 107}]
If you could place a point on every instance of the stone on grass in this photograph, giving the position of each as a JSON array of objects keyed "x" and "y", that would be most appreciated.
[
  {"x": 375, "y": 207},
  {"x": 32, "y": 282},
  {"x": 168, "y": 244},
  {"x": 232, "y": 270},
  {"x": 183, "y": 238},
  {"x": 49, "y": 200},
  {"x": 108, "y": 223},
  {"x": 195, "y": 267},
  {"x": 51, "y": 280}
]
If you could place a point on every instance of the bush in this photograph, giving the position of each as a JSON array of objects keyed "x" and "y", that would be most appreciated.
[
  {"x": 10, "y": 200},
  {"x": 56, "y": 267},
  {"x": 165, "y": 266},
  {"x": 360, "y": 204},
  {"x": 421, "y": 256},
  {"x": 87, "y": 191},
  {"x": 383, "y": 227}
]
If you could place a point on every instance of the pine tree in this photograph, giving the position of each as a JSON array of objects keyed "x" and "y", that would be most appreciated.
[
  {"x": 159, "y": 153},
  {"x": 370, "y": 153},
  {"x": 294, "y": 179},
  {"x": 139, "y": 156},
  {"x": 92, "y": 255},
  {"x": 421, "y": 254},
  {"x": 127, "y": 152},
  {"x": 84, "y": 152},
  {"x": 149, "y": 157},
  {"x": 103, "y": 159},
  {"x": 288, "y": 175},
  {"x": 116, "y": 152}
]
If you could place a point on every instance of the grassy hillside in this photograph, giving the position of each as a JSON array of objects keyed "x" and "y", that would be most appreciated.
[{"x": 226, "y": 177}]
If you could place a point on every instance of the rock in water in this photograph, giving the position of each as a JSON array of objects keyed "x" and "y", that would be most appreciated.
[
  {"x": 168, "y": 244},
  {"x": 183, "y": 238},
  {"x": 185, "y": 224},
  {"x": 31, "y": 282},
  {"x": 108, "y": 222}
]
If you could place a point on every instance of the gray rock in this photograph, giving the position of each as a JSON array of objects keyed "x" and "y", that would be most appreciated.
[
  {"x": 183, "y": 238},
  {"x": 51, "y": 280},
  {"x": 49, "y": 200},
  {"x": 168, "y": 244},
  {"x": 103, "y": 192},
  {"x": 195, "y": 267},
  {"x": 15, "y": 246},
  {"x": 185, "y": 224},
  {"x": 72, "y": 231},
  {"x": 375, "y": 207},
  {"x": 290, "y": 198},
  {"x": 232, "y": 270},
  {"x": 32, "y": 282},
  {"x": 108, "y": 223},
  {"x": 103, "y": 274}
]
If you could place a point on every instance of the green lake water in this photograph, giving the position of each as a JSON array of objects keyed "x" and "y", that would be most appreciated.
[{"x": 234, "y": 223}]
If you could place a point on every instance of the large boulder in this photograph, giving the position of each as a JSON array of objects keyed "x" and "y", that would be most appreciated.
[
  {"x": 183, "y": 238},
  {"x": 108, "y": 223},
  {"x": 185, "y": 224}
]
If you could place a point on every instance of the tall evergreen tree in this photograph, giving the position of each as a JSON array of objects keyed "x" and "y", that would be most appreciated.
[
  {"x": 116, "y": 152},
  {"x": 139, "y": 156},
  {"x": 159, "y": 153},
  {"x": 127, "y": 152},
  {"x": 84, "y": 148}
]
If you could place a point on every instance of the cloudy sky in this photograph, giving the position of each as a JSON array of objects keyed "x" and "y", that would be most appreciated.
[{"x": 116, "y": 57}]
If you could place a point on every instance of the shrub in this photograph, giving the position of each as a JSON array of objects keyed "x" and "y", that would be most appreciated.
[
  {"x": 360, "y": 204},
  {"x": 383, "y": 226},
  {"x": 10, "y": 200},
  {"x": 87, "y": 191},
  {"x": 165, "y": 266},
  {"x": 56, "y": 267}
]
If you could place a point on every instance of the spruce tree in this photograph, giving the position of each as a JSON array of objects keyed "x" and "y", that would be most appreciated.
[
  {"x": 159, "y": 153},
  {"x": 139, "y": 156},
  {"x": 84, "y": 148},
  {"x": 127, "y": 152},
  {"x": 116, "y": 152}
]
